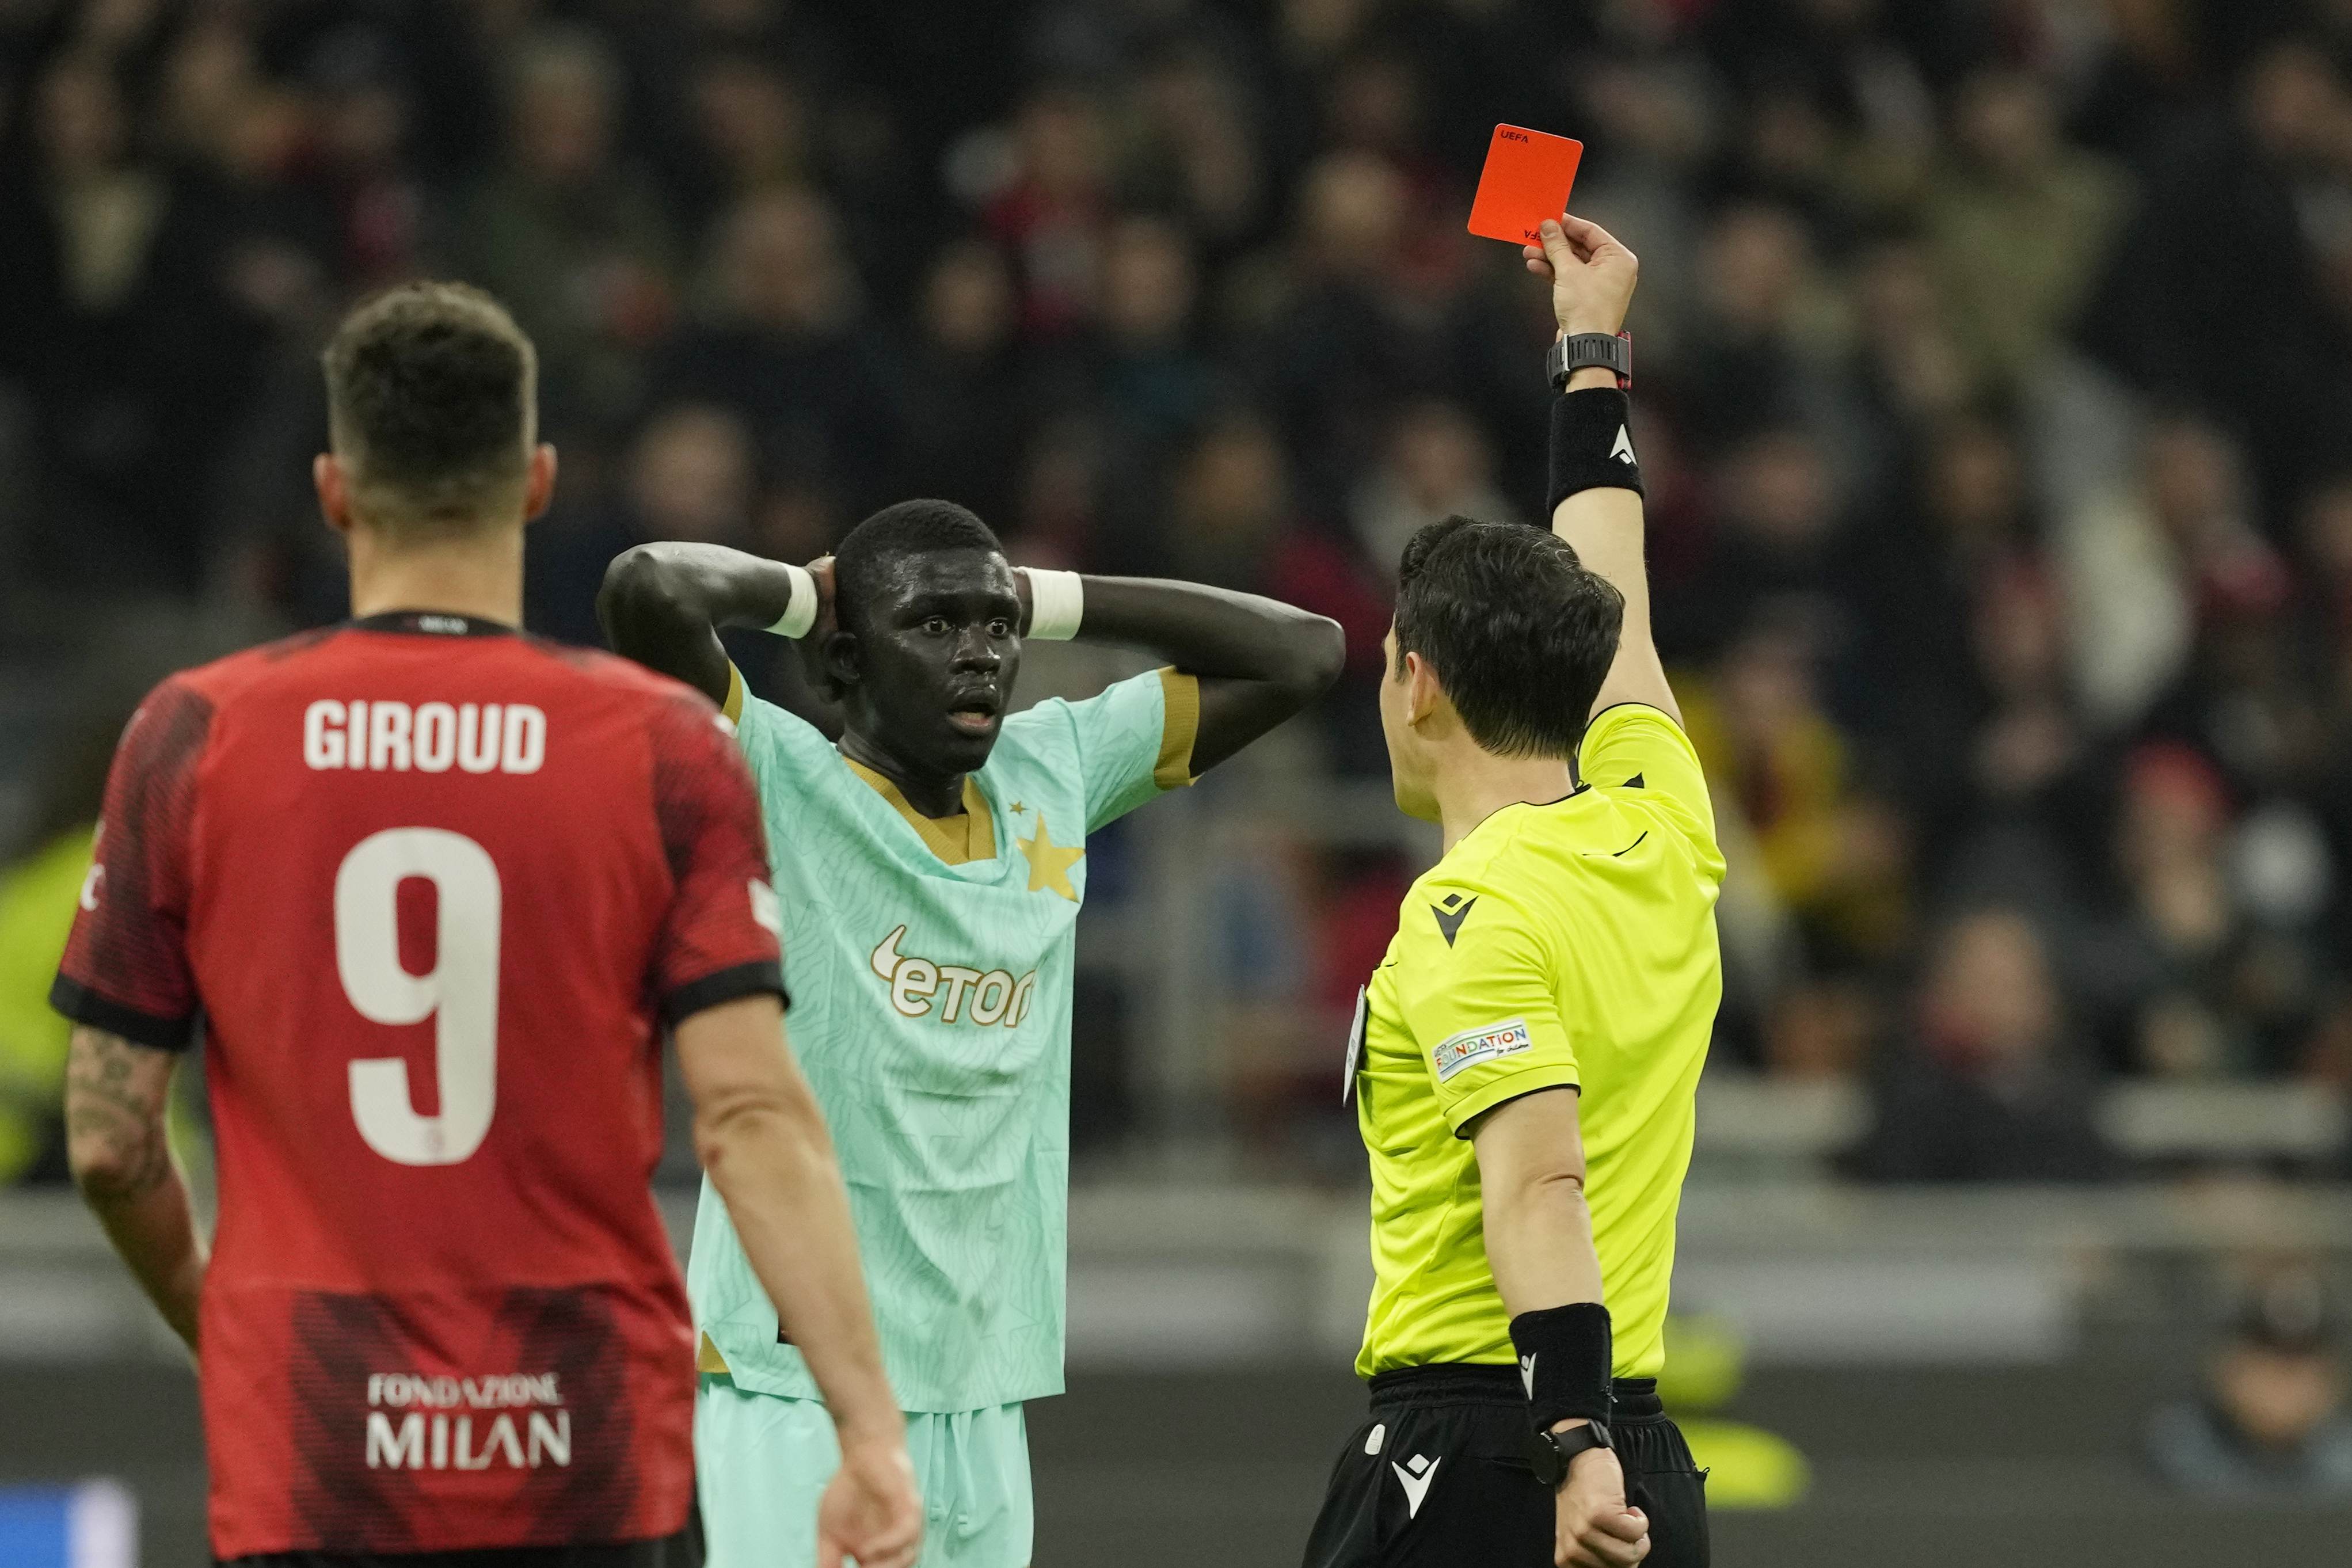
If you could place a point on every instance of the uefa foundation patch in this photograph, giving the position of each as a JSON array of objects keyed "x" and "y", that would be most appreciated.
[{"x": 1484, "y": 1043}]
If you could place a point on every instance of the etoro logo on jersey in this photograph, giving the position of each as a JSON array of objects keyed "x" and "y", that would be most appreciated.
[{"x": 958, "y": 993}]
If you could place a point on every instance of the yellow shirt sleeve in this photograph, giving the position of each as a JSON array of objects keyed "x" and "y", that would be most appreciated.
[
  {"x": 1635, "y": 746},
  {"x": 1480, "y": 998}
]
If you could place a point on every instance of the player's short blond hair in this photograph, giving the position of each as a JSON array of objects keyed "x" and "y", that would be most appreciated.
[{"x": 433, "y": 404}]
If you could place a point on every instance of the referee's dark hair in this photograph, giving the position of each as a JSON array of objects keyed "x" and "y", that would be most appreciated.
[
  {"x": 863, "y": 562},
  {"x": 1519, "y": 634},
  {"x": 432, "y": 394}
]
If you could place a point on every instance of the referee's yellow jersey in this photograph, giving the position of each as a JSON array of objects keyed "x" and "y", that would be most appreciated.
[{"x": 1567, "y": 944}]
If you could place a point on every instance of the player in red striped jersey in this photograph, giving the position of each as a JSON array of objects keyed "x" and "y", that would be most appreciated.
[{"x": 430, "y": 891}]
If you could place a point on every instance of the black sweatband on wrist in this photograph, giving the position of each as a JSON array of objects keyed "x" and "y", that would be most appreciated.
[
  {"x": 1565, "y": 1355},
  {"x": 1592, "y": 446}
]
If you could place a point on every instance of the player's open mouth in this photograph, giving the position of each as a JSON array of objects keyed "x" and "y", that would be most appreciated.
[{"x": 973, "y": 720}]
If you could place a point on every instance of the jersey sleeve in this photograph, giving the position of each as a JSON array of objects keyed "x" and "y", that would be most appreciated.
[
  {"x": 126, "y": 966},
  {"x": 1480, "y": 1003},
  {"x": 738, "y": 694},
  {"x": 1634, "y": 745},
  {"x": 782, "y": 747},
  {"x": 720, "y": 938},
  {"x": 1134, "y": 740}
]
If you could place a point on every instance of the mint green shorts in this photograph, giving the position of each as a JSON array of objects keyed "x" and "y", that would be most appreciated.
[{"x": 762, "y": 1462}]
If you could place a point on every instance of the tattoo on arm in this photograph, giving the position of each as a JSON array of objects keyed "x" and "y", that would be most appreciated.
[
  {"x": 115, "y": 1106},
  {"x": 116, "y": 1095}
]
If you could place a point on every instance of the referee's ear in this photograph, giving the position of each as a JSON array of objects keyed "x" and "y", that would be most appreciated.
[{"x": 1422, "y": 695}]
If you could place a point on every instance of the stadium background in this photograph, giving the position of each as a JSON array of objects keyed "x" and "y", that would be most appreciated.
[{"x": 1995, "y": 366}]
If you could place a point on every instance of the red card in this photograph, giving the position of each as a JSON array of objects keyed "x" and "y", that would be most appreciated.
[{"x": 1527, "y": 176}]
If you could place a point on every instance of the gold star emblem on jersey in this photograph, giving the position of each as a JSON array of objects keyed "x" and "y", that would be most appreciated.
[{"x": 1049, "y": 865}]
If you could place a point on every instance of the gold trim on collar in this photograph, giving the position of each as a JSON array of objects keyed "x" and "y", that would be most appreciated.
[
  {"x": 708, "y": 1359},
  {"x": 956, "y": 840}
]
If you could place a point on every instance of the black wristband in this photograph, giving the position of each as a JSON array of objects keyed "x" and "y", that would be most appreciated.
[
  {"x": 1565, "y": 1355},
  {"x": 1592, "y": 446}
]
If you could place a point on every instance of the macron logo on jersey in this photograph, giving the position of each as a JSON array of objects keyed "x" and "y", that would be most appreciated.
[
  {"x": 1484, "y": 1044},
  {"x": 1451, "y": 914}
]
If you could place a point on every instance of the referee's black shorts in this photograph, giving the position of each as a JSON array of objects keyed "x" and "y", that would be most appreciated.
[{"x": 1437, "y": 1477}]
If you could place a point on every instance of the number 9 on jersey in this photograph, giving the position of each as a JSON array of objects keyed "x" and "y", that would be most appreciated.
[{"x": 459, "y": 994}]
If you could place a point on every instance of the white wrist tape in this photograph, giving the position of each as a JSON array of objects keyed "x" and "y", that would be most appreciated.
[
  {"x": 1058, "y": 603},
  {"x": 800, "y": 611}
]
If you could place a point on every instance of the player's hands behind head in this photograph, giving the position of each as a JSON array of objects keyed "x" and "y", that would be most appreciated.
[
  {"x": 871, "y": 1511},
  {"x": 1591, "y": 275},
  {"x": 821, "y": 570},
  {"x": 820, "y": 632},
  {"x": 1595, "y": 1529}
]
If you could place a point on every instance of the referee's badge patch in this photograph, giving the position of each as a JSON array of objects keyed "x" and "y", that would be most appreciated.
[
  {"x": 1482, "y": 1044},
  {"x": 1356, "y": 1030}
]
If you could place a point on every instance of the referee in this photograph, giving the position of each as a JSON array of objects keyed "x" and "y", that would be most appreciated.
[{"x": 1529, "y": 1049}]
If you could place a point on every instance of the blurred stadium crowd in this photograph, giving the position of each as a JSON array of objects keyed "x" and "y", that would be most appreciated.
[{"x": 1994, "y": 372}]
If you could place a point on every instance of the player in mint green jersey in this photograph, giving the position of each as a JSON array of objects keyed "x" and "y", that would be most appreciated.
[{"x": 930, "y": 868}]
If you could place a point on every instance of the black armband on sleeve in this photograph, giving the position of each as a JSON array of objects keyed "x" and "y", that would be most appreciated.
[
  {"x": 761, "y": 977},
  {"x": 1592, "y": 446},
  {"x": 1565, "y": 1356},
  {"x": 84, "y": 1006}
]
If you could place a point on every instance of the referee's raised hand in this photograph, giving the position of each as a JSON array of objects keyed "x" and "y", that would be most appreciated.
[
  {"x": 1592, "y": 274},
  {"x": 1596, "y": 1529}
]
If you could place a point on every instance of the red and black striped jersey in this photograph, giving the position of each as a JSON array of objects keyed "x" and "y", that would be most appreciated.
[{"x": 426, "y": 889}]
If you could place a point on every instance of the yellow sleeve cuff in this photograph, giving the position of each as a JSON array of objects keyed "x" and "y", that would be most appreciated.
[
  {"x": 733, "y": 706},
  {"x": 1178, "y": 730},
  {"x": 1510, "y": 1086}
]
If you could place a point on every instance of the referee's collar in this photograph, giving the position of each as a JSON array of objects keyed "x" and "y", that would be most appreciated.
[
  {"x": 1532, "y": 805},
  {"x": 1560, "y": 800},
  {"x": 432, "y": 623}
]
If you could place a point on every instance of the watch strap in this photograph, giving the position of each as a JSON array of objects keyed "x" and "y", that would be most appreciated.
[
  {"x": 1550, "y": 1453},
  {"x": 1579, "y": 350}
]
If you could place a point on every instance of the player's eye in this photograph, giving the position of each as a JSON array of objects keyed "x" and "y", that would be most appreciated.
[
  {"x": 936, "y": 625},
  {"x": 1000, "y": 627}
]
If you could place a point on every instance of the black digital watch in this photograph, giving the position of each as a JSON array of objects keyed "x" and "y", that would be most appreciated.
[
  {"x": 1579, "y": 350},
  {"x": 1550, "y": 1453}
]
